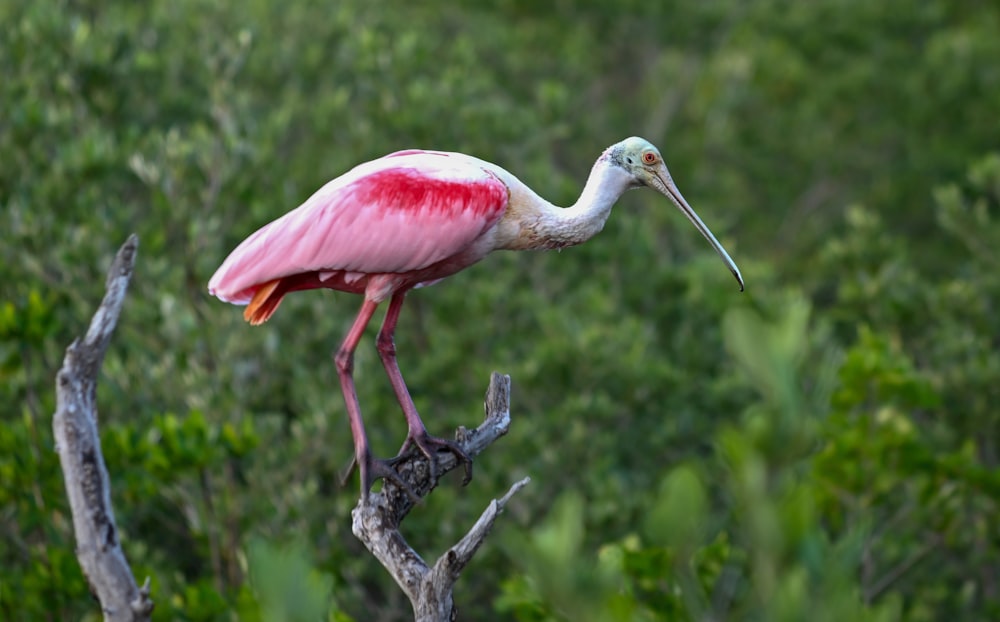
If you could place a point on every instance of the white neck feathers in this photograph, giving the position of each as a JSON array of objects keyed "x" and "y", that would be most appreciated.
[{"x": 558, "y": 227}]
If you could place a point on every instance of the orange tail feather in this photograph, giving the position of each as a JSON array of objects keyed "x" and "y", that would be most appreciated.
[{"x": 264, "y": 303}]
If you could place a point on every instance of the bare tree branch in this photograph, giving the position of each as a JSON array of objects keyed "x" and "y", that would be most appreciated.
[
  {"x": 78, "y": 444},
  {"x": 376, "y": 523}
]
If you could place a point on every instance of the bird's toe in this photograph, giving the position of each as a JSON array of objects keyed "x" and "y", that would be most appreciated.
[
  {"x": 430, "y": 446},
  {"x": 373, "y": 469}
]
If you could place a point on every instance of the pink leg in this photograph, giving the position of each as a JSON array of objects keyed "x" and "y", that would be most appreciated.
[
  {"x": 417, "y": 434},
  {"x": 371, "y": 469}
]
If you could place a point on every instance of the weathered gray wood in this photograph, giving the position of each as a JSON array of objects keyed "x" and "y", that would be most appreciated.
[
  {"x": 75, "y": 426},
  {"x": 376, "y": 523}
]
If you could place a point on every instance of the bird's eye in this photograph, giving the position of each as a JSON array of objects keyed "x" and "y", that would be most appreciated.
[{"x": 649, "y": 157}]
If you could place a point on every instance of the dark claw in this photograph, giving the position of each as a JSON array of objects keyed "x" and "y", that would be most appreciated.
[
  {"x": 430, "y": 445},
  {"x": 373, "y": 469}
]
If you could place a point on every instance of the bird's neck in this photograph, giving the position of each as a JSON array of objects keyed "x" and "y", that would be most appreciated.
[{"x": 559, "y": 227}]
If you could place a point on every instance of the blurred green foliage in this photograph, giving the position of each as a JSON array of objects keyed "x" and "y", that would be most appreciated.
[{"x": 824, "y": 446}]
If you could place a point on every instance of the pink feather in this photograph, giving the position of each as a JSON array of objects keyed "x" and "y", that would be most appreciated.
[{"x": 412, "y": 214}]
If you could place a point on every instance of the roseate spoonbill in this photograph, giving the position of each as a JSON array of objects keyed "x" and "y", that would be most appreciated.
[{"x": 409, "y": 219}]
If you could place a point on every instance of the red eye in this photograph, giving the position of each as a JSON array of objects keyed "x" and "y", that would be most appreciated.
[{"x": 649, "y": 157}]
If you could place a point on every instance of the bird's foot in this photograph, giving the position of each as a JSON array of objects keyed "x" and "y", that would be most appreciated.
[
  {"x": 430, "y": 446},
  {"x": 372, "y": 469}
]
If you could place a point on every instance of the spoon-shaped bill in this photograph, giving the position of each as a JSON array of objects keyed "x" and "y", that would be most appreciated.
[{"x": 670, "y": 190}]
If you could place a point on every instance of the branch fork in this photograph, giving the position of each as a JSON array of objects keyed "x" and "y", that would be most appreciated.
[{"x": 376, "y": 523}]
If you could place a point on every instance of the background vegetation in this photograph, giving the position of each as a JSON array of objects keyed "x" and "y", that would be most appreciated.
[{"x": 823, "y": 447}]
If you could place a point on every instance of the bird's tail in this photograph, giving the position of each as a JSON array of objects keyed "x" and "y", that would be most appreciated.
[{"x": 264, "y": 302}]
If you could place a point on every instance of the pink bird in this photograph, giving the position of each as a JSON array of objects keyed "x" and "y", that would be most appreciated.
[{"x": 410, "y": 219}]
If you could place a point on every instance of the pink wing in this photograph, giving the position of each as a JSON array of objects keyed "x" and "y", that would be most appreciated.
[{"x": 400, "y": 213}]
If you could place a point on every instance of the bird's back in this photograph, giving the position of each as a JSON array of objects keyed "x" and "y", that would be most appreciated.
[{"x": 399, "y": 214}]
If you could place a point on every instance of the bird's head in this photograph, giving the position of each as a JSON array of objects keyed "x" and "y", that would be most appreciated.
[{"x": 643, "y": 162}]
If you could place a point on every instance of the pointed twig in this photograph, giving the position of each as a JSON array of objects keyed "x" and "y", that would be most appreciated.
[
  {"x": 449, "y": 566},
  {"x": 376, "y": 523},
  {"x": 87, "y": 484}
]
